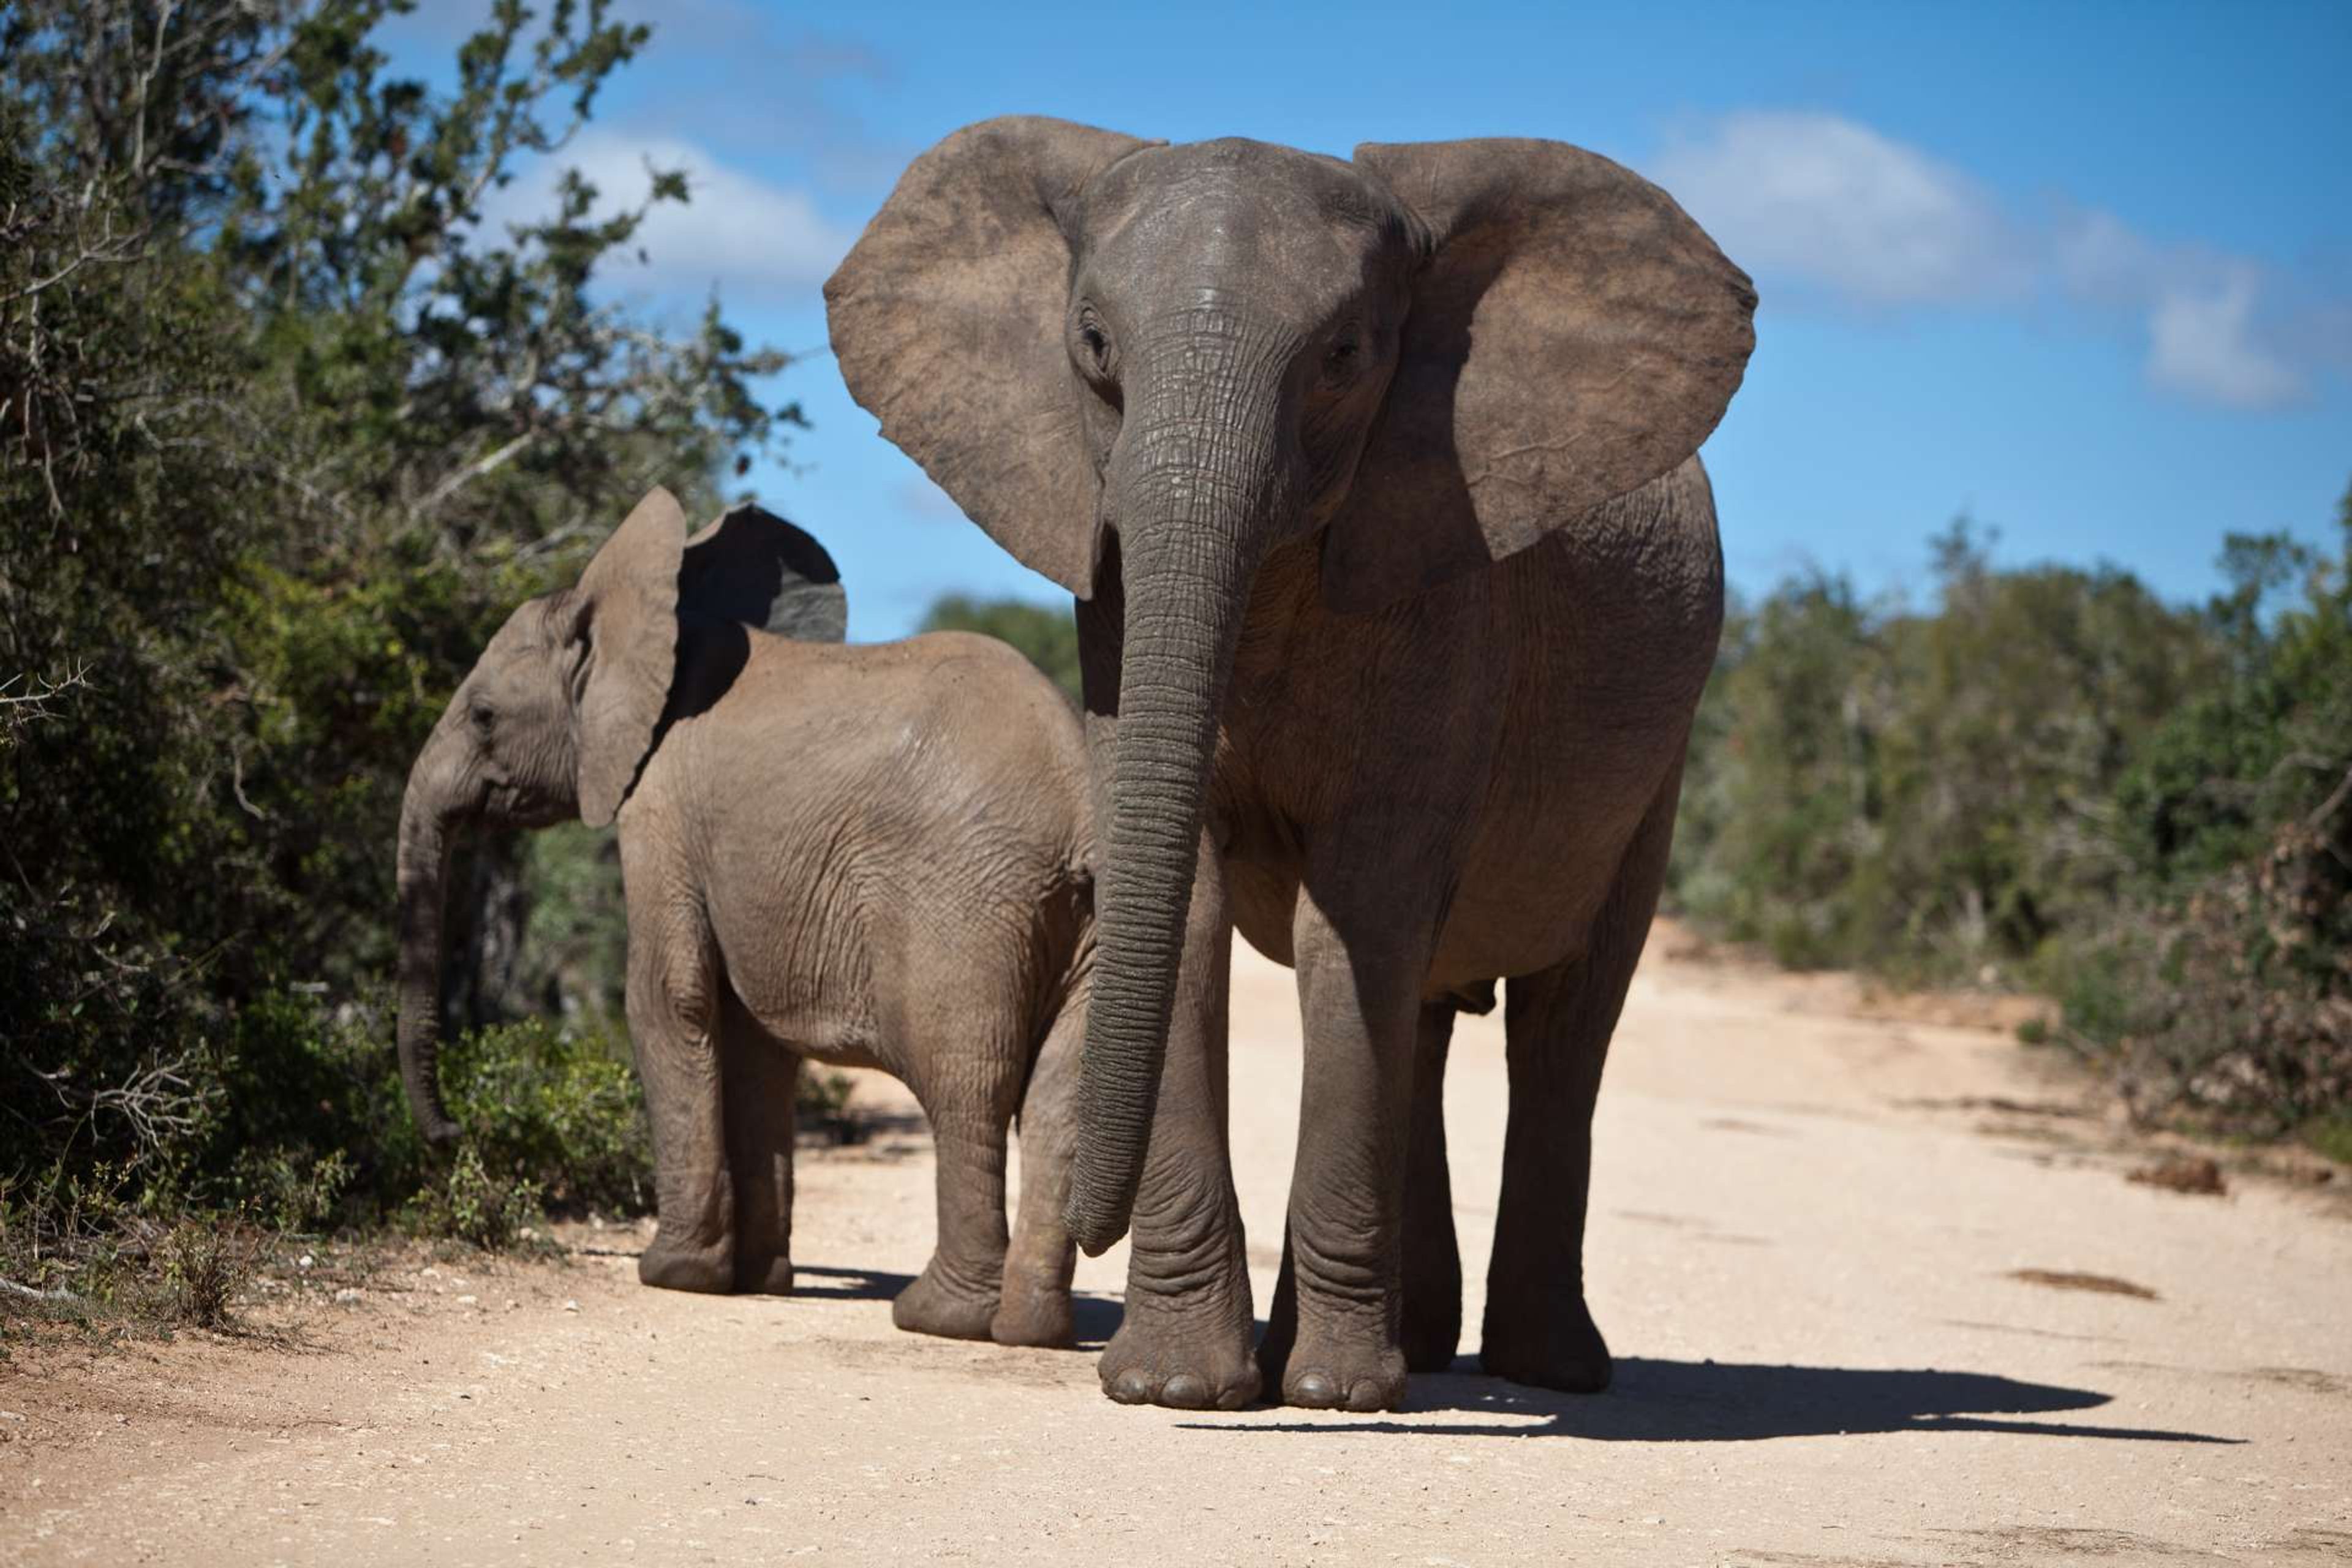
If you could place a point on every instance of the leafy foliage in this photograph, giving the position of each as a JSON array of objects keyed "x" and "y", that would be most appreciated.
[
  {"x": 2053, "y": 780},
  {"x": 286, "y": 428},
  {"x": 558, "y": 1112}
]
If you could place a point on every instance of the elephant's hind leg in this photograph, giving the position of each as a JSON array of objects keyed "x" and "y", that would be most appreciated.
[
  {"x": 969, "y": 1094},
  {"x": 1433, "y": 1257},
  {"x": 760, "y": 1079},
  {"x": 1558, "y": 1023}
]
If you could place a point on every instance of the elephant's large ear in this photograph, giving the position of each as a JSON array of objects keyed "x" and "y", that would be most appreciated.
[
  {"x": 625, "y": 610},
  {"x": 1573, "y": 335},
  {"x": 946, "y": 318},
  {"x": 753, "y": 568}
]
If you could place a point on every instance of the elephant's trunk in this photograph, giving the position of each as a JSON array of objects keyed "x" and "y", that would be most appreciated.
[
  {"x": 1195, "y": 487},
  {"x": 431, "y": 806}
]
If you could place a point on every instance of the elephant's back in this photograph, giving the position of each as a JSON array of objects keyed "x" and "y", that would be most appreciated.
[
  {"x": 881, "y": 822},
  {"x": 942, "y": 740},
  {"x": 1004, "y": 738}
]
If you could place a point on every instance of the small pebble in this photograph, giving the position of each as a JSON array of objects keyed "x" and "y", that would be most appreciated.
[
  {"x": 346, "y": 1296},
  {"x": 571, "y": 1306}
]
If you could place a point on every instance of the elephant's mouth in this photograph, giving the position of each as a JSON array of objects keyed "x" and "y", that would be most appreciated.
[{"x": 513, "y": 805}]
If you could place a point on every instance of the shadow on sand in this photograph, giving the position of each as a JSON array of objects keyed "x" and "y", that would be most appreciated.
[
  {"x": 1651, "y": 1401},
  {"x": 1729, "y": 1401},
  {"x": 847, "y": 1284},
  {"x": 1095, "y": 1318}
]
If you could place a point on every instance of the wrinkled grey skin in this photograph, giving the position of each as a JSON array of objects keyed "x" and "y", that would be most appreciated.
[
  {"x": 1399, "y": 582},
  {"x": 870, "y": 856}
]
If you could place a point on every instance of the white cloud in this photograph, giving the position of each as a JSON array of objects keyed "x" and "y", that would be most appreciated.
[
  {"x": 739, "y": 234},
  {"x": 1839, "y": 204},
  {"x": 1820, "y": 206},
  {"x": 2201, "y": 343}
]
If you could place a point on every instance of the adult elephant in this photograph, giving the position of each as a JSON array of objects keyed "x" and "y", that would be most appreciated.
[{"x": 1398, "y": 582}]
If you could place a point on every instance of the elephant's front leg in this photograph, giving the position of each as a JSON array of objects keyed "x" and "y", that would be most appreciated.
[
  {"x": 1336, "y": 1340},
  {"x": 1185, "y": 1338},
  {"x": 674, "y": 1028},
  {"x": 1036, "y": 1308}
]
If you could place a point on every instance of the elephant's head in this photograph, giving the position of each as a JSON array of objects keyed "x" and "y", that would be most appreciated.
[
  {"x": 562, "y": 709},
  {"x": 1431, "y": 356}
]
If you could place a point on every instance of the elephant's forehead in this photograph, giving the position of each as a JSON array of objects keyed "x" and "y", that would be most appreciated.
[
  {"x": 1272, "y": 215},
  {"x": 524, "y": 633}
]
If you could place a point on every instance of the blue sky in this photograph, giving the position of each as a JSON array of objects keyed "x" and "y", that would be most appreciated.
[{"x": 2082, "y": 271}]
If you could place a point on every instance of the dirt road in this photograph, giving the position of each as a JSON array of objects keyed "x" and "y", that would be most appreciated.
[{"x": 1879, "y": 1294}]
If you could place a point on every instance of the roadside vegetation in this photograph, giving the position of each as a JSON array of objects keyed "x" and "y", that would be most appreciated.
[
  {"x": 287, "y": 426},
  {"x": 2048, "y": 780}
]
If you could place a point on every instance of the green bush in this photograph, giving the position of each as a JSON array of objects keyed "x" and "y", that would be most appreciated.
[
  {"x": 207, "y": 1265},
  {"x": 2052, "y": 780},
  {"x": 470, "y": 1203},
  {"x": 291, "y": 429},
  {"x": 557, "y": 1112}
]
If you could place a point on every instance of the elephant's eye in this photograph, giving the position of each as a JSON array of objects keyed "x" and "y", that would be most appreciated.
[
  {"x": 1097, "y": 341},
  {"x": 479, "y": 716},
  {"x": 1340, "y": 359}
]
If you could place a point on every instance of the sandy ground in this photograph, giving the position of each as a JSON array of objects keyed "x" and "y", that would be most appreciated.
[{"x": 1813, "y": 1245}]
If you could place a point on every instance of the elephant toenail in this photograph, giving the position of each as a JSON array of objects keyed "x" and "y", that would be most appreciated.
[
  {"x": 1315, "y": 1391},
  {"x": 1185, "y": 1392},
  {"x": 1131, "y": 1387},
  {"x": 1366, "y": 1393}
]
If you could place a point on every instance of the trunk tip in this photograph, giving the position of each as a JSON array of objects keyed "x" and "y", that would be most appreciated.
[
  {"x": 1095, "y": 1227},
  {"x": 439, "y": 1131}
]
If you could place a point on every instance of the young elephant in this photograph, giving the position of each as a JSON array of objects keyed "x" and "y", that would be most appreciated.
[{"x": 874, "y": 856}]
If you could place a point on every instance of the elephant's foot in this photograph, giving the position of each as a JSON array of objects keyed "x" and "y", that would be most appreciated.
[
  {"x": 935, "y": 1304},
  {"x": 1032, "y": 1315},
  {"x": 1545, "y": 1341},
  {"x": 769, "y": 1275},
  {"x": 667, "y": 1266},
  {"x": 1188, "y": 1357},
  {"x": 1332, "y": 1370}
]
